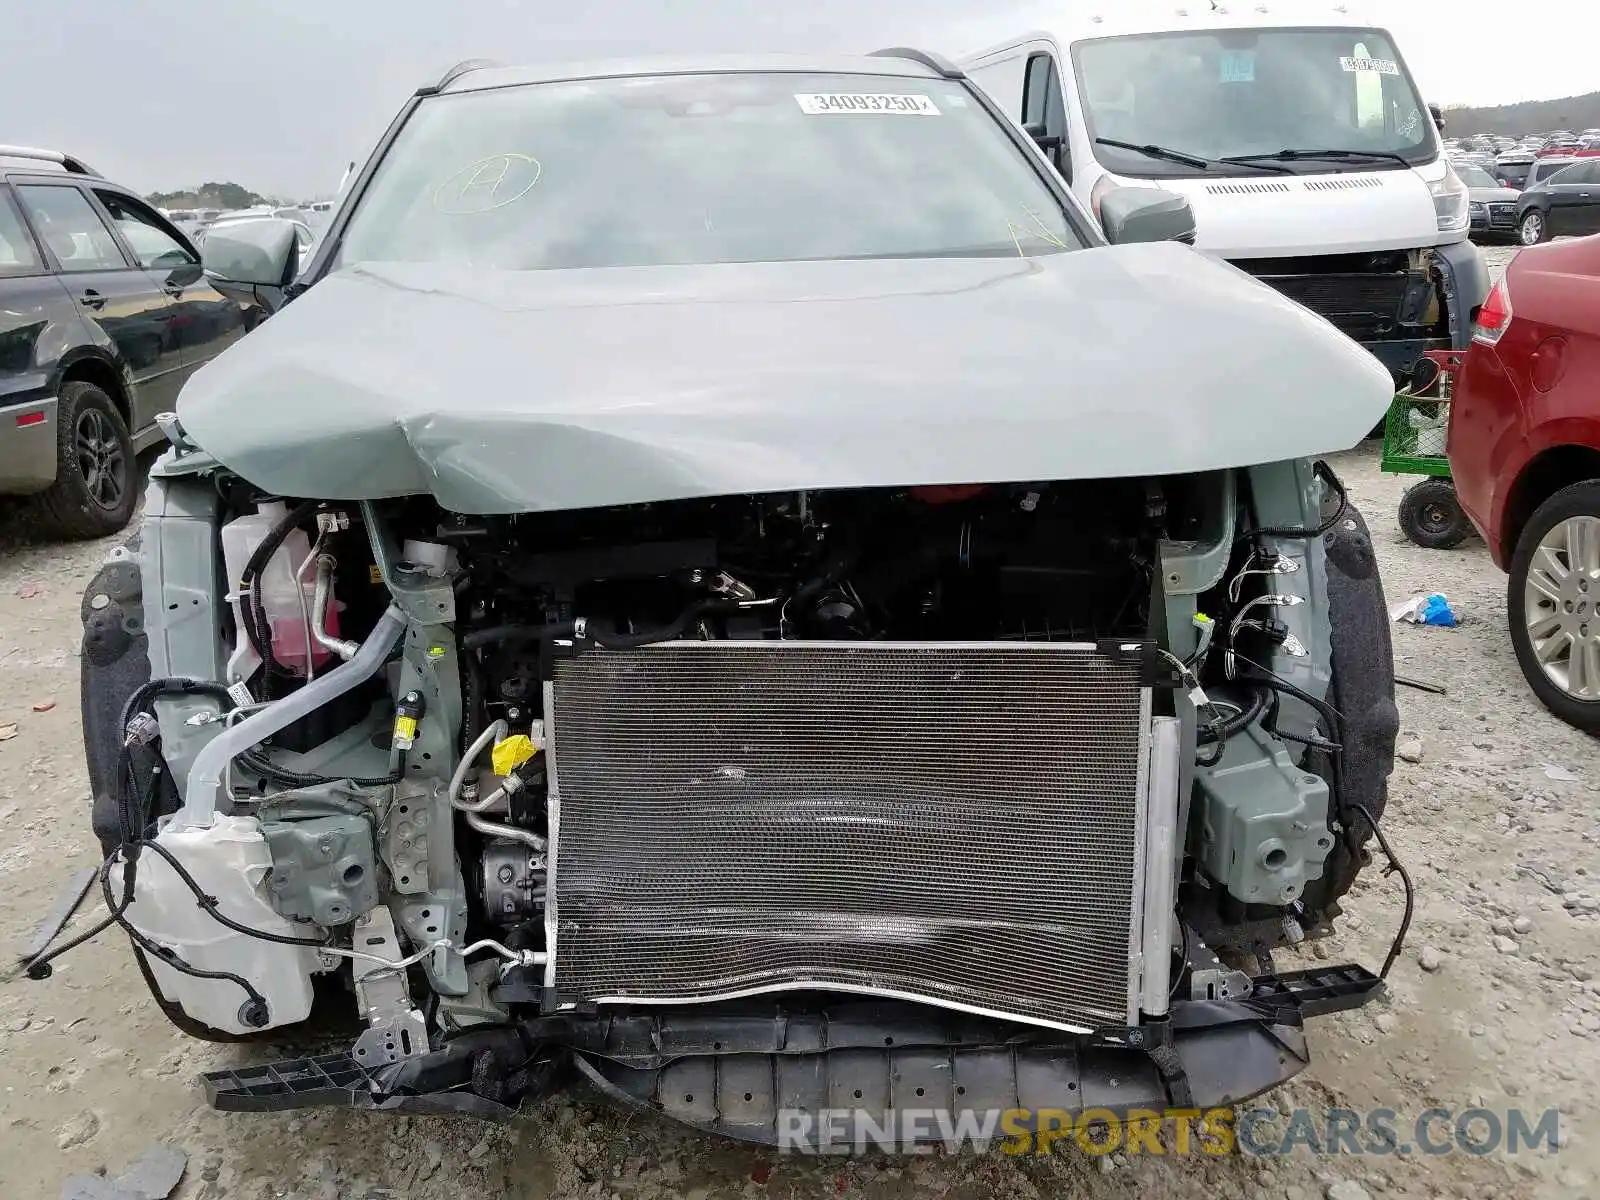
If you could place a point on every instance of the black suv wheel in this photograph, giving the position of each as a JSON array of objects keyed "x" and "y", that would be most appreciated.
[{"x": 94, "y": 492}]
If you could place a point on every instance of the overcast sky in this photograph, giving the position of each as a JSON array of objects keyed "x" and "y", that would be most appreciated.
[{"x": 278, "y": 95}]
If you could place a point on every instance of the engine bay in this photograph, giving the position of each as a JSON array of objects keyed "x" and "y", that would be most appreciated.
[{"x": 980, "y": 563}]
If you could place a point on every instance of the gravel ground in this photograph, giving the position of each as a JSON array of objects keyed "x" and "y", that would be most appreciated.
[{"x": 1495, "y": 1001}]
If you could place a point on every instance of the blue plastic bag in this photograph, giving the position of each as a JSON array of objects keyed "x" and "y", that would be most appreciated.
[
  {"x": 1425, "y": 610},
  {"x": 1436, "y": 610}
]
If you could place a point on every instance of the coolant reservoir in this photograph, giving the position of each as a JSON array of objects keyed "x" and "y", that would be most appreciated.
[
  {"x": 229, "y": 860},
  {"x": 286, "y": 602}
]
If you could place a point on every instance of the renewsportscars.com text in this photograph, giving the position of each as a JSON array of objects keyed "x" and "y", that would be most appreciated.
[{"x": 1257, "y": 1132}]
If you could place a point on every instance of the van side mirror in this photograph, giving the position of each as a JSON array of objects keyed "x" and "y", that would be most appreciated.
[
  {"x": 252, "y": 261},
  {"x": 1135, "y": 214},
  {"x": 1047, "y": 142}
]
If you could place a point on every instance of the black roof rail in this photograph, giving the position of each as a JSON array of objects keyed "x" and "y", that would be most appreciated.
[
  {"x": 933, "y": 62},
  {"x": 455, "y": 73},
  {"x": 65, "y": 161}
]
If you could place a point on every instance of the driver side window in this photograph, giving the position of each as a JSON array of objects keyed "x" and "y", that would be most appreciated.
[{"x": 155, "y": 247}]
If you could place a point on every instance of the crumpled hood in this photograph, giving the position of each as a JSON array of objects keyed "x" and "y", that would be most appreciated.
[{"x": 522, "y": 391}]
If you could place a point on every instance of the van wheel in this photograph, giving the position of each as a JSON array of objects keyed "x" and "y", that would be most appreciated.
[
  {"x": 93, "y": 494},
  {"x": 1431, "y": 515},
  {"x": 1551, "y": 601},
  {"x": 1532, "y": 230}
]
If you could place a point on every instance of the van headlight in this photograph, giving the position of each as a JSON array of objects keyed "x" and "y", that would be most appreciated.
[{"x": 1450, "y": 202}]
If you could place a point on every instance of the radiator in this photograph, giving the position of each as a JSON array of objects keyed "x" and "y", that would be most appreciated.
[
  {"x": 1357, "y": 304},
  {"x": 956, "y": 823}
]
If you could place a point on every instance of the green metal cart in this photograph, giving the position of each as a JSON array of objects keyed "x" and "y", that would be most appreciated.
[{"x": 1414, "y": 436}]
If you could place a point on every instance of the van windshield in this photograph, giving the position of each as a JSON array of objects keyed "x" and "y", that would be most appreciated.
[
  {"x": 1233, "y": 93},
  {"x": 715, "y": 168}
]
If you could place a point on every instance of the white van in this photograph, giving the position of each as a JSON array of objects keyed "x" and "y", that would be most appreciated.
[{"x": 1296, "y": 134}]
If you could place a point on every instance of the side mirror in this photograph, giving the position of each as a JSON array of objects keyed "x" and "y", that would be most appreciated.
[
  {"x": 1132, "y": 214},
  {"x": 1045, "y": 141},
  {"x": 252, "y": 261},
  {"x": 1437, "y": 114},
  {"x": 184, "y": 274}
]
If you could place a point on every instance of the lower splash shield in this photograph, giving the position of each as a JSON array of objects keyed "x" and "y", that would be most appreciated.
[{"x": 959, "y": 824}]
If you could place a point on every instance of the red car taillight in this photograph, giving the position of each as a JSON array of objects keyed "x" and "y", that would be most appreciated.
[{"x": 1494, "y": 317}]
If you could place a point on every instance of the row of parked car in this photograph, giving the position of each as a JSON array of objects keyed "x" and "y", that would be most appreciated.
[
  {"x": 1532, "y": 195},
  {"x": 1554, "y": 141}
]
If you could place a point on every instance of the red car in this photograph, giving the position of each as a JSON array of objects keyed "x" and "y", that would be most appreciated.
[{"x": 1524, "y": 447}]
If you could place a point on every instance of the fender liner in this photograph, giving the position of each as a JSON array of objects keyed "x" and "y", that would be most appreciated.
[
  {"x": 115, "y": 661},
  {"x": 1363, "y": 691}
]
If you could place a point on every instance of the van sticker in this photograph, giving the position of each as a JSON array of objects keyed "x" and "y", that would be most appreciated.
[
  {"x": 821, "y": 104},
  {"x": 1383, "y": 66},
  {"x": 1237, "y": 66}
]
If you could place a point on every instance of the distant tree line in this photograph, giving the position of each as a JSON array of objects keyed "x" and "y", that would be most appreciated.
[
  {"x": 1530, "y": 116},
  {"x": 207, "y": 195}
]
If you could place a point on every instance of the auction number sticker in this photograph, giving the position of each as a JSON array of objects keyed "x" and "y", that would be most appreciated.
[
  {"x": 826, "y": 104},
  {"x": 1383, "y": 66},
  {"x": 1237, "y": 66}
]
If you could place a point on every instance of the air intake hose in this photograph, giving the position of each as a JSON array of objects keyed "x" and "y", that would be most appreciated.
[{"x": 205, "y": 776}]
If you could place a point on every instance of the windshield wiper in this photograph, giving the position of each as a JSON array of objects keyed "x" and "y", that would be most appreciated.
[
  {"x": 1296, "y": 155},
  {"x": 1189, "y": 160}
]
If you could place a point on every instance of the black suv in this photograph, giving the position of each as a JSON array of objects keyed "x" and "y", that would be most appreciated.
[{"x": 104, "y": 312}]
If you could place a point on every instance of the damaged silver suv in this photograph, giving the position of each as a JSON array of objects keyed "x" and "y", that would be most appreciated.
[{"x": 718, "y": 584}]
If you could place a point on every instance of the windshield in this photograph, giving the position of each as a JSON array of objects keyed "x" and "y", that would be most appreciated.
[
  {"x": 1227, "y": 93},
  {"x": 1476, "y": 177},
  {"x": 704, "y": 169}
]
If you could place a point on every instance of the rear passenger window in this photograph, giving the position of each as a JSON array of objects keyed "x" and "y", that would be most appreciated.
[
  {"x": 69, "y": 225},
  {"x": 17, "y": 253}
]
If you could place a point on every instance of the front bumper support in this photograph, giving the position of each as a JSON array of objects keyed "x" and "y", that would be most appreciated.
[{"x": 735, "y": 1072}]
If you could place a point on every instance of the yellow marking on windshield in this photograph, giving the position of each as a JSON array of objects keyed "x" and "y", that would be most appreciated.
[{"x": 487, "y": 184}]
